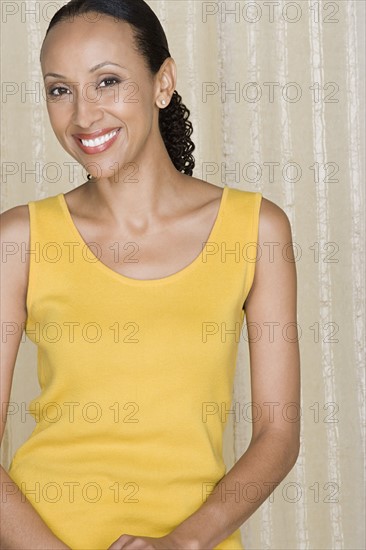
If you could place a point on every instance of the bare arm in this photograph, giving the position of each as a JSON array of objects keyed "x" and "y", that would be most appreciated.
[
  {"x": 21, "y": 527},
  {"x": 275, "y": 379}
]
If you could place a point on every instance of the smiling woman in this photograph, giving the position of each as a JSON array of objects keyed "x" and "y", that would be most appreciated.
[
  {"x": 125, "y": 91},
  {"x": 150, "y": 38},
  {"x": 137, "y": 354}
]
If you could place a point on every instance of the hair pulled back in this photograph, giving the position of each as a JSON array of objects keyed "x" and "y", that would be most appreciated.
[{"x": 151, "y": 41}]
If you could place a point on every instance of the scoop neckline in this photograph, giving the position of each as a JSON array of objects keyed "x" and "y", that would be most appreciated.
[{"x": 147, "y": 282}]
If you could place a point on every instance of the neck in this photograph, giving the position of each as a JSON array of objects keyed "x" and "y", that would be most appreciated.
[{"x": 141, "y": 192}]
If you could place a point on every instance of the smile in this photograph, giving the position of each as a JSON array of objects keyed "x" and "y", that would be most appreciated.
[{"x": 100, "y": 142}]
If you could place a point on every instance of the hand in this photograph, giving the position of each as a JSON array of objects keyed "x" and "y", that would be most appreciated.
[{"x": 168, "y": 542}]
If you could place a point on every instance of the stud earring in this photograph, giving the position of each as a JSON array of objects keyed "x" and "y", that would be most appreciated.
[{"x": 163, "y": 102}]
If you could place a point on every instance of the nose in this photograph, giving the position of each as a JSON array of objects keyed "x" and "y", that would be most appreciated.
[{"x": 87, "y": 107}]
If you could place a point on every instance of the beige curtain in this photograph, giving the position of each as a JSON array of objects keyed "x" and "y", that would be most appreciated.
[{"x": 276, "y": 94}]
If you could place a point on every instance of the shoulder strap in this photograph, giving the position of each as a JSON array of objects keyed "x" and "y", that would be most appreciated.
[{"x": 239, "y": 237}]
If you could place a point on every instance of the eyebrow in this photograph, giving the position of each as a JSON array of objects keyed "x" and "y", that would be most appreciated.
[{"x": 92, "y": 70}]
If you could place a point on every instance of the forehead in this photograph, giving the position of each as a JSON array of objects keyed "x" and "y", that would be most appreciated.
[{"x": 79, "y": 40}]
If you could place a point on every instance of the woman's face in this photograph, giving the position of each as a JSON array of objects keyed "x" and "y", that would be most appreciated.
[{"x": 101, "y": 97}]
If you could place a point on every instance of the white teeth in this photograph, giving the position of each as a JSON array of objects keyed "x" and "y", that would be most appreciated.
[{"x": 98, "y": 141}]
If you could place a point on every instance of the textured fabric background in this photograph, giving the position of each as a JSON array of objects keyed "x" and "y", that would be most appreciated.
[{"x": 276, "y": 94}]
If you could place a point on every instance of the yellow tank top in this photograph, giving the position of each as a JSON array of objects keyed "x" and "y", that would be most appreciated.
[{"x": 135, "y": 378}]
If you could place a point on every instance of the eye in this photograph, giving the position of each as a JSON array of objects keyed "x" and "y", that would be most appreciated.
[
  {"x": 111, "y": 81},
  {"x": 57, "y": 91}
]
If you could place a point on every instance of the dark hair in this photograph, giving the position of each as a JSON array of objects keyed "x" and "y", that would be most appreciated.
[{"x": 175, "y": 128}]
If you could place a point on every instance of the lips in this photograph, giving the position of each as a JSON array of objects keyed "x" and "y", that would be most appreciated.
[{"x": 98, "y": 141}]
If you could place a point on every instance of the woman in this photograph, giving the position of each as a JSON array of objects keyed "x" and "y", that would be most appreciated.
[{"x": 137, "y": 325}]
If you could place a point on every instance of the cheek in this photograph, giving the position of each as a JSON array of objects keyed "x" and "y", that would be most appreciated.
[
  {"x": 122, "y": 97},
  {"x": 60, "y": 110},
  {"x": 133, "y": 106},
  {"x": 54, "y": 117},
  {"x": 129, "y": 93},
  {"x": 135, "y": 93}
]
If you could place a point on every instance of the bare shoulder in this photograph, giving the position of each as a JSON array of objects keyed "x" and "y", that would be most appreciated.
[
  {"x": 14, "y": 224},
  {"x": 274, "y": 284},
  {"x": 15, "y": 234},
  {"x": 273, "y": 222}
]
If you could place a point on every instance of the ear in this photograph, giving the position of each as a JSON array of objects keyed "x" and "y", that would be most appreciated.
[{"x": 166, "y": 81}]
